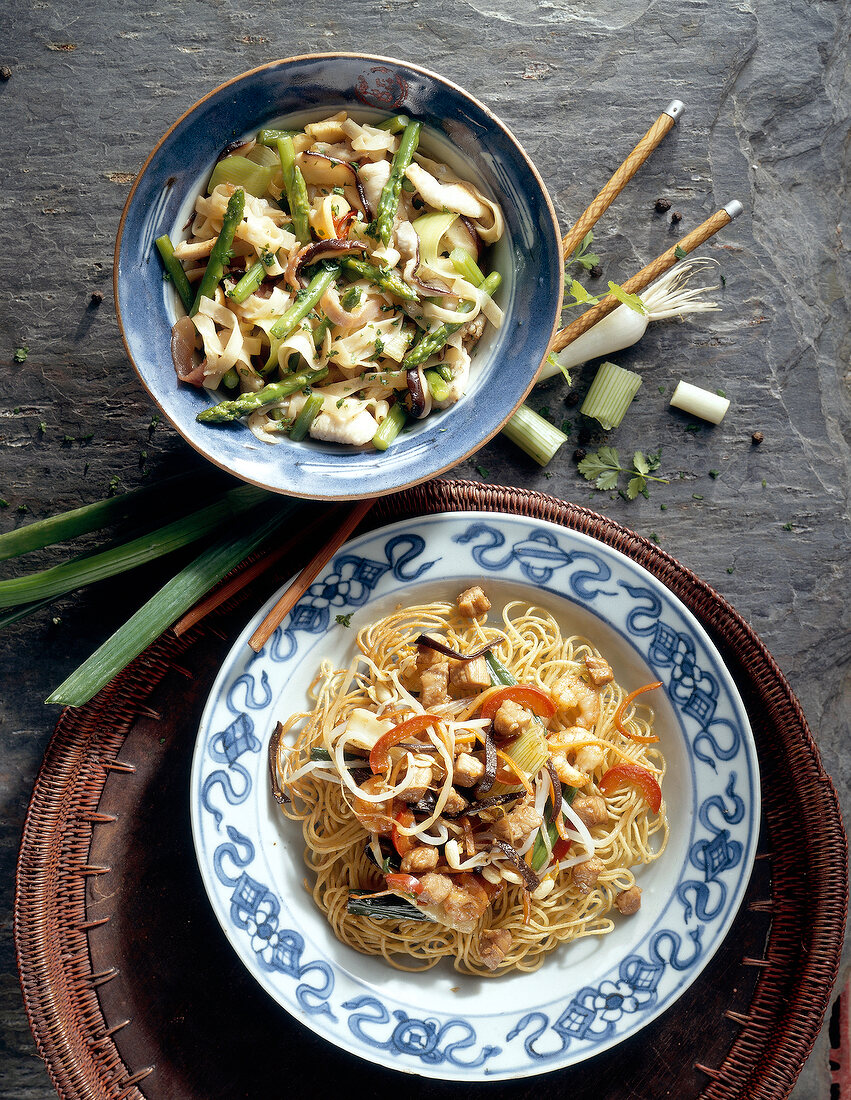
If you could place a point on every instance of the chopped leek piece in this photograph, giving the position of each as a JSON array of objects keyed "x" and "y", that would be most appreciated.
[
  {"x": 529, "y": 752},
  {"x": 610, "y": 395},
  {"x": 430, "y": 229},
  {"x": 699, "y": 402},
  {"x": 241, "y": 172},
  {"x": 536, "y": 436}
]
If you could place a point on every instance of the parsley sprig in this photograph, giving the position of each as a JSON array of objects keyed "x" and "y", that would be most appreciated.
[
  {"x": 582, "y": 256},
  {"x": 604, "y": 469}
]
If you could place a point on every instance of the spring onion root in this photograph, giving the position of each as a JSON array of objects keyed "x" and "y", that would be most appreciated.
[
  {"x": 698, "y": 402},
  {"x": 534, "y": 435},
  {"x": 610, "y": 395},
  {"x": 670, "y": 296}
]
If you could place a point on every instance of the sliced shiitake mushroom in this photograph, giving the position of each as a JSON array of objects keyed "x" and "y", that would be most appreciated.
[
  {"x": 187, "y": 364},
  {"x": 322, "y": 171}
]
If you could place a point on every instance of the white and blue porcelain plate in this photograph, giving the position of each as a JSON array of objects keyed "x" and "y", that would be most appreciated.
[{"x": 587, "y": 996}]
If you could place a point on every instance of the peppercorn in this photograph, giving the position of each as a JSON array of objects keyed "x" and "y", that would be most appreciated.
[
  {"x": 676, "y": 217},
  {"x": 5, "y": 73},
  {"x": 578, "y": 454},
  {"x": 662, "y": 206},
  {"x": 96, "y": 298},
  {"x": 572, "y": 399},
  {"x": 757, "y": 438},
  {"x": 596, "y": 271}
]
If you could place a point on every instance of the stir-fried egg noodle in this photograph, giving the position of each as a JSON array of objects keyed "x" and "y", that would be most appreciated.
[
  {"x": 364, "y": 326},
  {"x": 488, "y": 914}
]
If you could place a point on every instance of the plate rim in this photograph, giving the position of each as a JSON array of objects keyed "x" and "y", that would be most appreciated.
[{"x": 732, "y": 906}]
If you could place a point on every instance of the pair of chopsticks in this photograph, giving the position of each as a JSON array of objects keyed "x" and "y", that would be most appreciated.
[{"x": 600, "y": 204}]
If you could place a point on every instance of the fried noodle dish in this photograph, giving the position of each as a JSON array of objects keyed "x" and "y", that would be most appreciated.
[
  {"x": 332, "y": 282},
  {"x": 471, "y": 791}
]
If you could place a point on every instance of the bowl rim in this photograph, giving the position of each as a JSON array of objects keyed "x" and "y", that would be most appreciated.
[{"x": 222, "y": 465}]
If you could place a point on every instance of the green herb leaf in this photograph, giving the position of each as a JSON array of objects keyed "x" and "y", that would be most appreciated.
[
  {"x": 631, "y": 300},
  {"x": 680, "y": 253},
  {"x": 345, "y": 620},
  {"x": 21, "y": 354}
]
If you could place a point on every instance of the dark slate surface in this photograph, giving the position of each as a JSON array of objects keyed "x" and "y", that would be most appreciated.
[{"x": 94, "y": 85}]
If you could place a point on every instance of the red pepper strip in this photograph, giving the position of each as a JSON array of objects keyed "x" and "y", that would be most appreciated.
[
  {"x": 341, "y": 225},
  {"x": 536, "y": 700},
  {"x": 401, "y": 842},
  {"x": 561, "y": 848},
  {"x": 622, "y": 708},
  {"x": 379, "y": 758},
  {"x": 639, "y": 777},
  {"x": 404, "y": 884},
  {"x": 527, "y": 907}
]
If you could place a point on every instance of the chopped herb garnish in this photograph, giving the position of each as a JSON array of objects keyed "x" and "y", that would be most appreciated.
[
  {"x": 345, "y": 620},
  {"x": 566, "y": 427},
  {"x": 16, "y": 409},
  {"x": 661, "y": 389},
  {"x": 114, "y": 485},
  {"x": 604, "y": 469},
  {"x": 483, "y": 471},
  {"x": 21, "y": 354},
  {"x": 696, "y": 496},
  {"x": 680, "y": 252},
  {"x": 714, "y": 474},
  {"x": 42, "y": 427},
  {"x": 788, "y": 526},
  {"x": 730, "y": 568},
  {"x": 692, "y": 427},
  {"x": 22, "y": 508},
  {"x": 4, "y": 503},
  {"x": 663, "y": 507},
  {"x": 721, "y": 393}
]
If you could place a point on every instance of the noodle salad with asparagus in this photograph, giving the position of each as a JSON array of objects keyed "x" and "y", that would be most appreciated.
[
  {"x": 332, "y": 283},
  {"x": 473, "y": 792}
]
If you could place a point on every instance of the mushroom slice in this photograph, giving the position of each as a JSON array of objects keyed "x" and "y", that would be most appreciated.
[
  {"x": 322, "y": 171},
  {"x": 186, "y": 363}
]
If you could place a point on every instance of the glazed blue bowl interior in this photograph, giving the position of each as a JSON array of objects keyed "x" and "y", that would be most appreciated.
[{"x": 459, "y": 130}]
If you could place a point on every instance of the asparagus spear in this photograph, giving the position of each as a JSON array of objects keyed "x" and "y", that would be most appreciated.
[
  {"x": 272, "y": 137},
  {"x": 246, "y": 403},
  {"x": 175, "y": 270},
  {"x": 249, "y": 282},
  {"x": 433, "y": 341},
  {"x": 388, "y": 204},
  {"x": 383, "y": 277},
  {"x": 390, "y": 427},
  {"x": 395, "y": 124},
  {"x": 221, "y": 249},
  {"x": 295, "y": 188},
  {"x": 303, "y": 305},
  {"x": 311, "y": 409}
]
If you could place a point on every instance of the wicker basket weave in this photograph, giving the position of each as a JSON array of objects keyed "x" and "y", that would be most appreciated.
[{"x": 803, "y": 837}]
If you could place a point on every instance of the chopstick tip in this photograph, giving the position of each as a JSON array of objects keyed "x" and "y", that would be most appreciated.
[
  {"x": 734, "y": 208},
  {"x": 675, "y": 109}
]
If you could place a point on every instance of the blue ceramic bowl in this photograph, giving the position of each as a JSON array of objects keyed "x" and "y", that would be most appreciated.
[{"x": 461, "y": 130}]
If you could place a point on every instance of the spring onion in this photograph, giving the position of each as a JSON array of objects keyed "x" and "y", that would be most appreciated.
[
  {"x": 80, "y": 521},
  {"x": 172, "y": 600},
  {"x": 309, "y": 412},
  {"x": 175, "y": 270},
  {"x": 534, "y": 435},
  {"x": 667, "y": 297},
  {"x": 272, "y": 137},
  {"x": 395, "y": 124},
  {"x": 466, "y": 266},
  {"x": 390, "y": 427},
  {"x": 240, "y": 172},
  {"x": 610, "y": 395},
  {"x": 700, "y": 402},
  {"x": 430, "y": 229},
  {"x": 96, "y": 567}
]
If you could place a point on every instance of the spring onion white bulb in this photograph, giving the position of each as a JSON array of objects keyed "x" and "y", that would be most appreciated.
[
  {"x": 670, "y": 296},
  {"x": 692, "y": 399}
]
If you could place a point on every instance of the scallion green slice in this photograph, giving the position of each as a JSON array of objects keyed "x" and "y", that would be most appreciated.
[{"x": 241, "y": 172}]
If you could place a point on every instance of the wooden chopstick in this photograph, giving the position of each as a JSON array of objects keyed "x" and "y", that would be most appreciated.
[
  {"x": 240, "y": 580},
  {"x": 651, "y": 140},
  {"x": 307, "y": 576},
  {"x": 649, "y": 273}
]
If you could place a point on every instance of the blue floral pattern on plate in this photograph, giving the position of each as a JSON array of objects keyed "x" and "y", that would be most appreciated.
[{"x": 584, "y": 999}]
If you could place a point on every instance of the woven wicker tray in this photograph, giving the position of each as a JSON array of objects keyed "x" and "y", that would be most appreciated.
[{"x": 132, "y": 990}]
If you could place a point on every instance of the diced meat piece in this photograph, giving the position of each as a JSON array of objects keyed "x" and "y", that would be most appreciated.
[
  {"x": 470, "y": 674},
  {"x": 419, "y": 860},
  {"x": 588, "y": 758},
  {"x": 466, "y": 901},
  {"x": 456, "y": 804},
  {"x": 599, "y": 671},
  {"x": 426, "y": 657},
  {"x": 373, "y": 816},
  {"x": 433, "y": 684},
  {"x": 511, "y": 719},
  {"x": 585, "y": 874},
  {"x": 467, "y": 770},
  {"x": 420, "y": 766},
  {"x": 473, "y": 603},
  {"x": 516, "y": 826},
  {"x": 591, "y": 809},
  {"x": 493, "y": 946},
  {"x": 629, "y": 901},
  {"x": 435, "y": 888}
]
